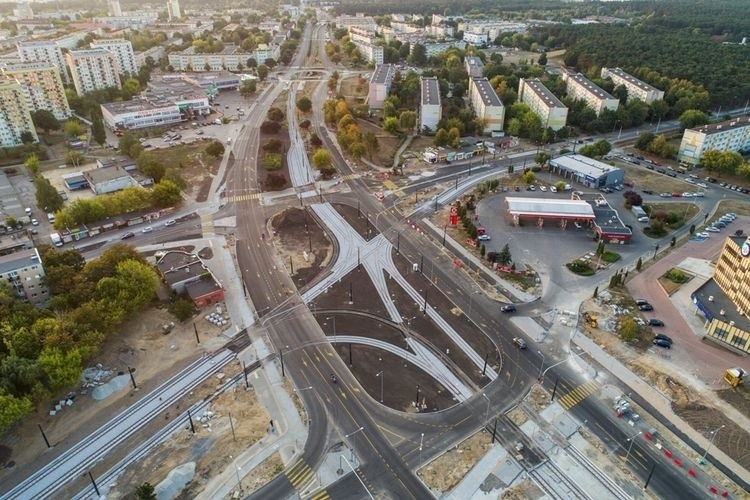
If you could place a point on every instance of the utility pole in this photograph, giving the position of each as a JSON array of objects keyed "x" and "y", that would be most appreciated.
[
  {"x": 132, "y": 379},
  {"x": 195, "y": 328},
  {"x": 49, "y": 446}
]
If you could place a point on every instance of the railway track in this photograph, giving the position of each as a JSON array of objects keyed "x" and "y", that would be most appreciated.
[{"x": 556, "y": 483}]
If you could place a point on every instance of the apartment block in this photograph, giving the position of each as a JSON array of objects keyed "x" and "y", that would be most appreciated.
[
  {"x": 173, "y": 9},
  {"x": 44, "y": 51},
  {"x": 430, "y": 110},
  {"x": 474, "y": 66},
  {"x": 731, "y": 135},
  {"x": 41, "y": 85},
  {"x": 123, "y": 52},
  {"x": 362, "y": 35},
  {"x": 155, "y": 53},
  {"x": 487, "y": 105},
  {"x": 476, "y": 38},
  {"x": 24, "y": 273},
  {"x": 372, "y": 53},
  {"x": 380, "y": 85},
  {"x": 360, "y": 21},
  {"x": 93, "y": 69},
  {"x": 229, "y": 59},
  {"x": 15, "y": 116},
  {"x": 113, "y": 8},
  {"x": 637, "y": 89},
  {"x": 543, "y": 103},
  {"x": 580, "y": 87}
]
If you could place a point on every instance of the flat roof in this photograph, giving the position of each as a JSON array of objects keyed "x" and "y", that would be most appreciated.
[
  {"x": 489, "y": 96},
  {"x": 97, "y": 175},
  {"x": 110, "y": 41},
  {"x": 382, "y": 73},
  {"x": 29, "y": 66},
  {"x": 631, "y": 79},
  {"x": 201, "y": 287},
  {"x": 549, "y": 207},
  {"x": 583, "y": 165},
  {"x": 430, "y": 90},
  {"x": 715, "y": 128},
  {"x": 17, "y": 260},
  {"x": 720, "y": 302},
  {"x": 544, "y": 93},
  {"x": 89, "y": 53},
  {"x": 589, "y": 86},
  {"x": 474, "y": 61}
]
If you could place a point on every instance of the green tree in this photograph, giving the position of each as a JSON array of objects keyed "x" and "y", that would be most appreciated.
[
  {"x": 529, "y": 177},
  {"x": 722, "y": 162},
  {"x": 62, "y": 368},
  {"x": 132, "y": 86},
  {"x": 126, "y": 142},
  {"x": 418, "y": 56},
  {"x": 504, "y": 258},
  {"x": 45, "y": 120},
  {"x": 541, "y": 158},
  {"x": 596, "y": 292},
  {"x": 215, "y": 149},
  {"x": 692, "y": 118},
  {"x": 543, "y": 59},
  {"x": 32, "y": 164},
  {"x": 275, "y": 115},
  {"x": 248, "y": 87},
  {"x": 97, "y": 130},
  {"x": 150, "y": 166},
  {"x": 27, "y": 137},
  {"x": 166, "y": 194},
  {"x": 12, "y": 409},
  {"x": 407, "y": 120},
  {"x": 73, "y": 128},
  {"x": 181, "y": 308},
  {"x": 73, "y": 158},
  {"x": 262, "y": 72},
  {"x": 628, "y": 329},
  {"x": 321, "y": 159},
  {"x": 304, "y": 104},
  {"x": 145, "y": 492},
  {"x": 370, "y": 141},
  {"x": 644, "y": 141},
  {"x": 47, "y": 197},
  {"x": 639, "y": 264},
  {"x": 390, "y": 125},
  {"x": 441, "y": 138},
  {"x": 272, "y": 161}
]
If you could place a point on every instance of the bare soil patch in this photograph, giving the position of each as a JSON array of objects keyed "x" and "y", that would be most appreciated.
[
  {"x": 263, "y": 473},
  {"x": 354, "y": 89},
  {"x": 445, "y": 472},
  {"x": 736, "y": 206},
  {"x": 387, "y": 143},
  {"x": 196, "y": 166},
  {"x": 359, "y": 220},
  {"x": 643, "y": 178},
  {"x": 296, "y": 233}
]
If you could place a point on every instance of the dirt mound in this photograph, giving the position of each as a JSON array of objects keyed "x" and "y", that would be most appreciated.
[{"x": 674, "y": 390}]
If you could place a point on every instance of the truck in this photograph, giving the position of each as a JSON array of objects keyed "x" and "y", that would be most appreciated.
[
  {"x": 56, "y": 240},
  {"x": 734, "y": 376}
]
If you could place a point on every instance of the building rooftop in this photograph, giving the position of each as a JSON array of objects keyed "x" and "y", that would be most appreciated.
[
  {"x": 18, "y": 260},
  {"x": 584, "y": 165},
  {"x": 489, "y": 96},
  {"x": 549, "y": 207},
  {"x": 89, "y": 53},
  {"x": 199, "y": 288},
  {"x": 38, "y": 43},
  {"x": 589, "y": 86},
  {"x": 430, "y": 91},
  {"x": 117, "y": 161},
  {"x": 544, "y": 93},
  {"x": 474, "y": 62},
  {"x": 715, "y": 128},
  {"x": 110, "y": 41},
  {"x": 382, "y": 73},
  {"x": 29, "y": 66},
  {"x": 631, "y": 79},
  {"x": 97, "y": 175},
  {"x": 715, "y": 302},
  {"x": 134, "y": 106}
]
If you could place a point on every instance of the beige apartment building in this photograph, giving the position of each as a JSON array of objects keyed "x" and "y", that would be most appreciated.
[
  {"x": 44, "y": 51},
  {"x": 41, "y": 85},
  {"x": 487, "y": 105},
  {"x": 123, "y": 52},
  {"x": 637, "y": 89},
  {"x": 93, "y": 69},
  {"x": 580, "y": 87},
  {"x": 15, "y": 117},
  {"x": 731, "y": 135},
  {"x": 24, "y": 273},
  {"x": 543, "y": 103}
]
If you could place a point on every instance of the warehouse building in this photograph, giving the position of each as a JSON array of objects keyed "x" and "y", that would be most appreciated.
[{"x": 591, "y": 173}]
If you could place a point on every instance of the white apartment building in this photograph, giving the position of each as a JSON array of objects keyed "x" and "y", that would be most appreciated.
[
  {"x": 430, "y": 110},
  {"x": 155, "y": 53},
  {"x": 123, "y": 52},
  {"x": 44, "y": 51},
  {"x": 476, "y": 38},
  {"x": 487, "y": 105},
  {"x": 113, "y": 8},
  {"x": 474, "y": 66},
  {"x": 41, "y": 85},
  {"x": 731, "y": 135},
  {"x": 361, "y": 35},
  {"x": 360, "y": 21},
  {"x": 543, "y": 103},
  {"x": 93, "y": 69},
  {"x": 15, "y": 117},
  {"x": 637, "y": 89},
  {"x": 137, "y": 20},
  {"x": 380, "y": 85},
  {"x": 435, "y": 48},
  {"x": 372, "y": 53},
  {"x": 173, "y": 9},
  {"x": 24, "y": 273},
  {"x": 580, "y": 87},
  {"x": 229, "y": 59}
]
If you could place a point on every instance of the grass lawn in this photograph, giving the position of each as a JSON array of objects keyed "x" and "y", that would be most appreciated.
[
  {"x": 388, "y": 143},
  {"x": 736, "y": 206},
  {"x": 643, "y": 178},
  {"x": 610, "y": 257}
]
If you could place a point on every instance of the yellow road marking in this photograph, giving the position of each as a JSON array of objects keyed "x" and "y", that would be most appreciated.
[{"x": 578, "y": 394}]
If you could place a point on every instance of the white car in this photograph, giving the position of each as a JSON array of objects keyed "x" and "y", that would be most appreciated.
[
  {"x": 687, "y": 194},
  {"x": 170, "y": 222},
  {"x": 553, "y": 189},
  {"x": 147, "y": 229},
  {"x": 703, "y": 185},
  {"x": 712, "y": 229},
  {"x": 34, "y": 222},
  {"x": 703, "y": 234},
  {"x": 484, "y": 237},
  {"x": 543, "y": 189}
]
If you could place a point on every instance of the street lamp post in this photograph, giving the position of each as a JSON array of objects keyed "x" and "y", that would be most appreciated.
[
  {"x": 380, "y": 374},
  {"x": 333, "y": 318},
  {"x": 631, "y": 439},
  {"x": 541, "y": 366},
  {"x": 710, "y": 443},
  {"x": 421, "y": 441},
  {"x": 487, "y": 413}
]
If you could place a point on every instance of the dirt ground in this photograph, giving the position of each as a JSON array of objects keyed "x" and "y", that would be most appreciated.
[
  {"x": 736, "y": 206},
  {"x": 643, "y": 178},
  {"x": 387, "y": 143},
  {"x": 139, "y": 344},
  {"x": 263, "y": 473},
  {"x": 360, "y": 221},
  {"x": 445, "y": 472},
  {"x": 211, "y": 448},
  {"x": 296, "y": 232},
  {"x": 354, "y": 89},
  {"x": 196, "y": 167}
]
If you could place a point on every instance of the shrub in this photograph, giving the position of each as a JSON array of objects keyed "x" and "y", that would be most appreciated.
[
  {"x": 272, "y": 146},
  {"x": 268, "y": 127},
  {"x": 580, "y": 267},
  {"x": 677, "y": 276},
  {"x": 181, "y": 308},
  {"x": 272, "y": 161},
  {"x": 610, "y": 257},
  {"x": 275, "y": 181}
]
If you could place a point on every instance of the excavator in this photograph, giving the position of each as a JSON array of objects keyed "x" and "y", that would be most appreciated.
[{"x": 734, "y": 376}]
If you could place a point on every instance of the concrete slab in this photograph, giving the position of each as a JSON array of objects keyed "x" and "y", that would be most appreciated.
[
  {"x": 472, "y": 484},
  {"x": 702, "y": 268},
  {"x": 532, "y": 329}
]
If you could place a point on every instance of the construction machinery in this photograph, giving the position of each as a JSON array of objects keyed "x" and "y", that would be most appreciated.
[
  {"x": 734, "y": 376},
  {"x": 590, "y": 319}
]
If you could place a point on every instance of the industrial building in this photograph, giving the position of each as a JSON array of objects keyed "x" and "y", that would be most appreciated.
[
  {"x": 15, "y": 115},
  {"x": 731, "y": 135},
  {"x": 637, "y": 89},
  {"x": 580, "y": 87},
  {"x": 474, "y": 66},
  {"x": 543, "y": 103},
  {"x": 108, "y": 180},
  {"x": 380, "y": 85},
  {"x": 42, "y": 87},
  {"x": 487, "y": 106},
  {"x": 591, "y": 173},
  {"x": 24, "y": 273},
  {"x": 93, "y": 69},
  {"x": 122, "y": 50},
  {"x": 724, "y": 300},
  {"x": 430, "y": 110}
]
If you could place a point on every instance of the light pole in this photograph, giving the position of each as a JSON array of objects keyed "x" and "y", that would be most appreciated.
[
  {"x": 541, "y": 366},
  {"x": 380, "y": 374},
  {"x": 710, "y": 443},
  {"x": 421, "y": 441},
  {"x": 487, "y": 414},
  {"x": 631, "y": 439},
  {"x": 333, "y": 318}
]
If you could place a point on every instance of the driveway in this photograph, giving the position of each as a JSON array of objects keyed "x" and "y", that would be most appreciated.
[{"x": 689, "y": 354}]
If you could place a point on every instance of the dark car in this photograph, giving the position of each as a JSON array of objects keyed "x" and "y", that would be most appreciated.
[
  {"x": 520, "y": 343},
  {"x": 510, "y": 308},
  {"x": 650, "y": 167},
  {"x": 661, "y": 170},
  {"x": 646, "y": 307},
  {"x": 662, "y": 343},
  {"x": 739, "y": 232},
  {"x": 640, "y": 302},
  {"x": 647, "y": 191},
  {"x": 672, "y": 174},
  {"x": 655, "y": 322},
  {"x": 661, "y": 336},
  {"x": 127, "y": 235}
]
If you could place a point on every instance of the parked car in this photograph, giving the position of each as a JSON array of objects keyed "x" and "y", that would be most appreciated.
[
  {"x": 647, "y": 191},
  {"x": 147, "y": 229},
  {"x": 665, "y": 195},
  {"x": 34, "y": 222},
  {"x": 655, "y": 322},
  {"x": 661, "y": 336},
  {"x": 543, "y": 189},
  {"x": 646, "y": 307},
  {"x": 704, "y": 234},
  {"x": 484, "y": 237},
  {"x": 640, "y": 302},
  {"x": 519, "y": 342},
  {"x": 127, "y": 235},
  {"x": 662, "y": 343},
  {"x": 170, "y": 222},
  {"x": 508, "y": 308},
  {"x": 713, "y": 229}
]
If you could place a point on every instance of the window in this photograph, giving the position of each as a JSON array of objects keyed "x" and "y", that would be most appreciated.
[{"x": 720, "y": 333}]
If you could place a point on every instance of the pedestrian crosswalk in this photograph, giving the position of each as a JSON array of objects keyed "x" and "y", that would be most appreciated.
[
  {"x": 300, "y": 474},
  {"x": 578, "y": 394},
  {"x": 391, "y": 186},
  {"x": 321, "y": 495},
  {"x": 244, "y": 197},
  {"x": 350, "y": 177},
  {"x": 207, "y": 224}
]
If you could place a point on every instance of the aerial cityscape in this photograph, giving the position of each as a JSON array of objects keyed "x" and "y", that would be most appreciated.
[{"x": 357, "y": 250}]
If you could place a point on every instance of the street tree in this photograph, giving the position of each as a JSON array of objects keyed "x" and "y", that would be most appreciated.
[
  {"x": 166, "y": 194},
  {"x": 692, "y": 118},
  {"x": 504, "y": 258},
  {"x": 47, "y": 196},
  {"x": 215, "y": 149},
  {"x": 304, "y": 104},
  {"x": 73, "y": 158},
  {"x": 275, "y": 114},
  {"x": 321, "y": 159},
  {"x": 390, "y": 125},
  {"x": 541, "y": 158},
  {"x": 73, "y": 128},
  {"x": 97, "y": 130},
  {"x": 262, "y": 72},
  {"x": 45, "y": 120},
  {"x": 127, "y": 141},
  {"x": 248, "y": 87},
  {"x": 32, "y": 164}
]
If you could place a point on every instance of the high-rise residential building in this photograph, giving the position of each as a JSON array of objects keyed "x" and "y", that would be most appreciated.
[
  {"x": 731, "y": 135},
  {"x": 93, "y": 69},
  {"x": 487, "y": 105},
  {"x": 44, "y": 51},
  {"x": 15, "y": 117},
  {"x": 580, "y": 87},
  {"x": 380, "y": 85},
  {"x": 113, "y": 8},
  {"x": 41, "y": 85},
  {"x": 474, "y": 66},
  {"x": 123, "y": 52},
  {"x": 24, "y": 273},
  {"x": 371, "y": 52},
  {"x": 173, "y": 9},
  {"x": 543, "y": 103},
  {"x": 430, "y": 110},
  {"x": 23, "y": 10},
  {"x": 637, "y": 89}
]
